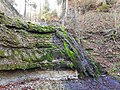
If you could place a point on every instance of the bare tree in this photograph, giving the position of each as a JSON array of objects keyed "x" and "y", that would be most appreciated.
[
  {"x": 65, "y": 9},
  {"x": 32, "y": 9},
  {"x": 26, "y": 1},
  {"x": 25, "y": 8},
  {"x": 63, "y": 15},
  {"x": 40, "y": 11},
  {"x": 12, "y": 2}
]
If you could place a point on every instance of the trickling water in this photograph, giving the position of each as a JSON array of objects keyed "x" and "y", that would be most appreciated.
[
  {"x": 84, "y": 60},
  {"x": 80, "y": 60},
  {"x": 81, "y": 50}
]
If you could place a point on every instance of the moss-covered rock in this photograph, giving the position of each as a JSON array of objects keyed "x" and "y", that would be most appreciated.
[
  {"x": 80, "y": 61},
  {"x": 12, "y": 23},
  {"x": 1, "y": 53},
  {"x": 40, "y": 29},
  {"x": 26, "y": 46},
  {"x": 103, "y": 8}
]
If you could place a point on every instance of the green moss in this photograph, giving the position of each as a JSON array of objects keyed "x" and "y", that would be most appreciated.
[
  {"x": 44, "y": 36},
  {"x": 69, "y": 52},
  {"x": 49, "y": 57},
  {"x": 32, "y": 58},
  {"x": 19, "y": 24},
  {"x": 4, "y": 21},
  {"x": 62, "y": 62},
  {"x": 115, "y": 69},
  {"x": 1, "y": 14},
  {"x": 40, "y": 29},
  {"x": 16, "y": 52},
  {"x": 71, "y": 65},
  {"x": 28, "y": 66},
  {"x": 103, "y": 7},
  {"x": 48, "y": 66},
  {"x": 9, "y": 38},
  {"x": 23, "y": 65},
  {"x": 1, "y": 53},
  {"x": 43, "y": 45},
  {"x": 74, "y": 53},
  {"x": 27, "y": 59},
  {"x": 9, "y": 22},
  {"x": 115, "y": 74},
  {"x": 7, "y": 67},
  {"x": 23, "y": 32}
]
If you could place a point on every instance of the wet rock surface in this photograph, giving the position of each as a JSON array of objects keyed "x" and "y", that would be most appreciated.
[
  {"x": 54, "y": 80},
  {"x": 37, "y": 79},
  {"x": 103, "y": 83}
]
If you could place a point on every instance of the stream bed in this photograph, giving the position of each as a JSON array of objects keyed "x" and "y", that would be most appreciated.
[{"x": 53, "y": 80}]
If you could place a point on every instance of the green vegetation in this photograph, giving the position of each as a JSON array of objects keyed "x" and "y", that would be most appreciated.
[
  {"x": 49, "y": 57},
  {"x": 72, "y": 51},
  {"x": 45, "y": 36},
  {"x": 43, "y": 45},
  {"x": 13, "y": 23},
  {"x": 1, "y": 53},
  {"x": 71, "y": 65},
  {"x": 40, "y": 29},
  {"x": 4, "y": 20},
  {"x": 115, "y": 70},
  {"x": 33, "y": 46},
  {"x": 19, "y": 24},
  {"x": 17, "y": 66},
  {"x": 103, "y": 8},
  {"x": 116, "y": 67}
]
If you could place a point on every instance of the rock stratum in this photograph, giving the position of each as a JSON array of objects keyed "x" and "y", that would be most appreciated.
[{"x": 24, "y": 45}]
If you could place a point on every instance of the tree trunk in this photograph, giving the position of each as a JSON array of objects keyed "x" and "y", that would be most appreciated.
[
  {"x": 40, "y": 11},
  {"x": 65, "y": 9},
  {"x": 25, "y": 8}
]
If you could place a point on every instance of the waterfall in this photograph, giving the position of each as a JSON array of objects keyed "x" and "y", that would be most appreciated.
[{"x": 77, "y": 56}]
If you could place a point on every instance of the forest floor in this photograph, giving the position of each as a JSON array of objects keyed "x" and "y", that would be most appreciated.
[{"x": 100, "y": 36}]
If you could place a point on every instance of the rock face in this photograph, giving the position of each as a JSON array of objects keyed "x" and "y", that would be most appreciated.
[
  {"x": 27, "y": 45},
  {"x": 22, "y": 46},
  {"x": 8, "y": 9}
]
